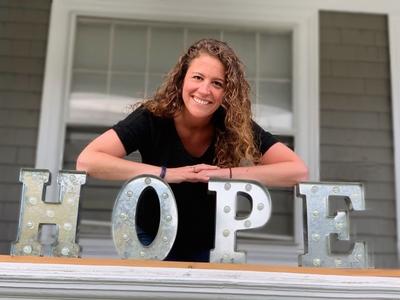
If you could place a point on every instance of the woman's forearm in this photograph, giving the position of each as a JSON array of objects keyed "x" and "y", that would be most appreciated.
[
  {"x": 104, "y": 158},
  {"x": 279, "y": 167},
  {"x": 105, "y": 166},
  {"x": 284, "y": 174}
]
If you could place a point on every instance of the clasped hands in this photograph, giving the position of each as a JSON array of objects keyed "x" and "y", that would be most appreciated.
[{"x": 195, "y": 173}]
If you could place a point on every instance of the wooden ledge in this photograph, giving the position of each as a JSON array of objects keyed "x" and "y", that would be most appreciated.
[{"x": 195, "y": 265}]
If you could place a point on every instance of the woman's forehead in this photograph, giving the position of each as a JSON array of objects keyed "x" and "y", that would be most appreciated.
[{"x": 209, "y": 64}]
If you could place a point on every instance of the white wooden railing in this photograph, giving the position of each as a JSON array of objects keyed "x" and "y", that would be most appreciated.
[{"x": 71, "y": 278}]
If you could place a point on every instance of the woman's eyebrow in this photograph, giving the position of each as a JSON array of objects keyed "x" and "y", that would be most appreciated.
[{"x": 214, "y": 78}]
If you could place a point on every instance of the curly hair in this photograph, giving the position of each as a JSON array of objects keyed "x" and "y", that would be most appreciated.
[{"x": 233, "y": 124}]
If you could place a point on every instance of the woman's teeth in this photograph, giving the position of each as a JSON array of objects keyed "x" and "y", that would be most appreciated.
[{"x": 200, "y": 101}]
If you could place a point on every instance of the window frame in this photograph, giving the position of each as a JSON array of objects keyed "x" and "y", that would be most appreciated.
[
  {"x": 303, "y": 24},
  {"x": 394, "y": 38}
]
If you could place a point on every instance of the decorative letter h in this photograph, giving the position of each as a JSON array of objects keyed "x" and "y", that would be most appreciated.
[{"x": 35, "y": 211}]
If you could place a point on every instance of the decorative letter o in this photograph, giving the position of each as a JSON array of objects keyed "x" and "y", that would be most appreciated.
[{"x": 124, "y": 231}]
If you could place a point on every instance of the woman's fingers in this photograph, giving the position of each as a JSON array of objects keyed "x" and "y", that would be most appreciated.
[
  {"x": 201, "y": 167},
  {"x": 194, "y": 173}
]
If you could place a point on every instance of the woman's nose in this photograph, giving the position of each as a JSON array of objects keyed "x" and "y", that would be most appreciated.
[{"x": 204, "y": 88}]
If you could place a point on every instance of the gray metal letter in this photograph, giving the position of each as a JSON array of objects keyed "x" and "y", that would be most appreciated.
[
  {"x": 34, "y": 211},
  {"x": 124, "y": 231},
  {"x": 320, "y": 226},
  {"x": 226, "y": 222}
]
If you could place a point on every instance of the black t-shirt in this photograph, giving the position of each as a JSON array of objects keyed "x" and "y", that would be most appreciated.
[{"x": 158, "y": 142}]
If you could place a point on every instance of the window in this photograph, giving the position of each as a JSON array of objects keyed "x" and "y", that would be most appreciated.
[{"x": 130, "y": 61}]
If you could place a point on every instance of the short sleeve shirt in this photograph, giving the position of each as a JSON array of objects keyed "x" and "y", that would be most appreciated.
[{"x": 158, "y": 142}]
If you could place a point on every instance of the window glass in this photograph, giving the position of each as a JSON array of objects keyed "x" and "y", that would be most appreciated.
[
  {"x": 275, "y": 56},
  {"x": 129, "y": 48},
  {"x": 87, "y": 35},
  {"x": 195, "y": 34},
  {"x": 165, "y": 48},
  {"x": 274, "y": 108},
  {"x": 127, "y": 85},
  {"x": 87, "y": 82},
  {"x": 244, "y": 44}
]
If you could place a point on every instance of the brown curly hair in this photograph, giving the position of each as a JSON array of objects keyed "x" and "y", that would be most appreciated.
[{"x": 233, "y": 124}]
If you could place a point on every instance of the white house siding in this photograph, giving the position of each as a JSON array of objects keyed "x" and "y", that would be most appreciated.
[
  {"x": 23, "y": 36},
  {"x": 356, "y": 131}
]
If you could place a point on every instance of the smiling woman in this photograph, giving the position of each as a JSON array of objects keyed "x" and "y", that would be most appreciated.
[
  {"x": 202, "y": 94},
  {"x": 203, "y": 89},
  {"x": 198, "y": 125}
]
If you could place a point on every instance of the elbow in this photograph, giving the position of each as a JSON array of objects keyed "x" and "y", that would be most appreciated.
[
  {"x": 302, "y": 174},
  {"x": 82, "y": 163}
]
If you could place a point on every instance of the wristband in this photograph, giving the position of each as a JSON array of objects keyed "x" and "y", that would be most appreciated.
[{"x": 163, "y": 172}]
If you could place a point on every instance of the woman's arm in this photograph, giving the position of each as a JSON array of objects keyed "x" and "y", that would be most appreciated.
[
  {"x": 103, "y": 158},
  {"x": 279, "y": 166}
]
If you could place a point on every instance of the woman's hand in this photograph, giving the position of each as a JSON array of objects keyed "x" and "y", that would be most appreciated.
[
  {"x": 222, "y": 173},
  {"x": 194, "y": 173},
  {"x": 279, "y": 167}
]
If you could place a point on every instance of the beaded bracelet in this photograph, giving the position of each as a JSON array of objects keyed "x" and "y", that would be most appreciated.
[{"x": 163, "y": 172}]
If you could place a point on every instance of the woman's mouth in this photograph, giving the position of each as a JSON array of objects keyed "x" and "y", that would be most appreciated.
[{"x": 200, "y": 101}]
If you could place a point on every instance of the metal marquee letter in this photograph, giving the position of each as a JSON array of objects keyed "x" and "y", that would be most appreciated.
[
  {"x": 226, "y": 222},
  {"x": 124, "y": 231},
  {"x": 34, "y": 212},
  {"x": 321, "y": 226}
]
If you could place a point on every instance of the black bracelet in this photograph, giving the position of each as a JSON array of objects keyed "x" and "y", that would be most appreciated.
[
  {"x": 230, "y": 173},
  {"x": 163, "y": 172}
]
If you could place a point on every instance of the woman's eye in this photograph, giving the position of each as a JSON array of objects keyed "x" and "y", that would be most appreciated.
[
  {"x": 197, "y": 77},
  {"x": 218, "y": 84}
]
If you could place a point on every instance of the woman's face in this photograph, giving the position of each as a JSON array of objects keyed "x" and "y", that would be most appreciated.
[{"x": 203, "y": 87}]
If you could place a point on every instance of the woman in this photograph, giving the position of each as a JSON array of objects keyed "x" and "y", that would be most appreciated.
[{"x": 197, "y": 126}]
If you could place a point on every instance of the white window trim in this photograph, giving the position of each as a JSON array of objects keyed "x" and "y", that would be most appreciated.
[{"x": 394, "y": 38}]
